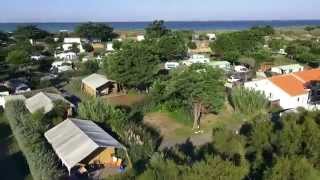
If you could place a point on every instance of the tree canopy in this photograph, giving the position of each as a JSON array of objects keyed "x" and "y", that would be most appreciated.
[
  {"x": 134, "y": 66},
  {"x": 156, "y": 30},
  {"x": 30, "y": 32},
  {"x": 171, "y": 47},
  {"x": 194, "y": 89},
  {"x": 3, "y": 37},
  {"x": 18, "y": 57},
  {"x": 91, "y": 31}
]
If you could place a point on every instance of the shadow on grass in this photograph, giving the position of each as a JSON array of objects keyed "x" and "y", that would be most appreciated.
[
  {"x": 5, "y": 131},
  {"x": 14, "y": 167}
]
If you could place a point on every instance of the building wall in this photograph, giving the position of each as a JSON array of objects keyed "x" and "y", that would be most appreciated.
[
  {"x": 104, "y": 156},
  {"x": 274, "y": 93},
  {"x": 101, "y": 155}
]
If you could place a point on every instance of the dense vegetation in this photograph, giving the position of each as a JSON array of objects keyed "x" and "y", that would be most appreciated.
[
  {"x": 195, "y": 90},
  {"x": 135, "y": 66},
  {"x": 29, "y": 132},
  {"x": 93, "y": 31}
]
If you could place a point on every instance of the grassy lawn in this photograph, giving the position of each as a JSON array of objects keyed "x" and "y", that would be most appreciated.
[
  {"x": 13, "y": 165},
  {"x": 174, "y": 129},
  {"x": 124, "y": 100}
]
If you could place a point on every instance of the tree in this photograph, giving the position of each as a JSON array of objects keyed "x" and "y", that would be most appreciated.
[
  {"x": 229, "y": 145},
  {"x": 3, "y": 38},
  {"x": 215, "y": 168},
  {"x": 156, "y": 29},
  {"x": 309, "y": 28},
  {"x": 171, "y": 47},
  {"x": 88, "y": 47},
  {"x": 75, "y": 48},
  {"x": 249, "y": 102},
  {"x": 264, "y": 30},
  {"x": 276, "y": 44},
  {"x": 117, "y": 45},
  {"x": 259, "y": 148},
  {"x": 30, "y": 32},
  {"x": 134, "y": 66},
  {"x": 90, "y": 67},
  {"x": 196, "y": 89},
  {"x": 18, "y": 57},
  {"x": 295, "y": 168},
  {"x": 288, "y": 141},
  {"x": 244, "y": 42},
  {"x": 192, "y": 45},
  {"x": 95, "y": 31},
  {"x": 231, "y": 56}
]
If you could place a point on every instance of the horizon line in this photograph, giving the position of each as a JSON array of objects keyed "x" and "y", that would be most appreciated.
[{"x": 142, "y": 21}]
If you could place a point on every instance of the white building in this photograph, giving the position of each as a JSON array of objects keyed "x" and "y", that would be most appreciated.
[
  {"x": 282, "y": 52},
  {"x": 68, "y": 42},
  {"x": 212, "y": 36},
  {"x": 66, "y": 56},
  {"x": 140, "y": 38},
  {"x": 225, "y": 65},
  {"x": 290, "y": 91},
  {"x": 37, "y": 57},
  {"x": 286, "y": 69},
  {"x": 109, "y": 46},
  {"x": 61, "y": 66},
  {"x": 4, "y": 91},
  {"x": 196, "y": 58}
]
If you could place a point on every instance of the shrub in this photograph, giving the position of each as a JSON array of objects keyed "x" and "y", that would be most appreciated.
[{"x": 28, "y": 131}]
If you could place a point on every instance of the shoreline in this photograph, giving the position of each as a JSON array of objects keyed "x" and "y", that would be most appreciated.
[{"x": 197, "y": 26}]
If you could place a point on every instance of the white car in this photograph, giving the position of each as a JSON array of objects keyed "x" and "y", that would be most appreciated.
[
  {"x": 171, "y": 65},
  {"x": 233, "y": 79},
  {"x": 241, "y": 69}
]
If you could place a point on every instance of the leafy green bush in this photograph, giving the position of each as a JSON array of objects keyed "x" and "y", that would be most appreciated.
[
  {"x": 28, "y": 131},
  {"x": 249, "y": 102}
]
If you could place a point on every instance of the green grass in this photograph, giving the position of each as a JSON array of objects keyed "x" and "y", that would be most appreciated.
[
  {"x": 182, "y": 117},
  {"x": 74, "y": 87}
]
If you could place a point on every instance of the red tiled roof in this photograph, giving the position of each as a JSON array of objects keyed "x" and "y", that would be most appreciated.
[
  {"x": 294, "y": 84},
  {"x": 309, "y": 75}
]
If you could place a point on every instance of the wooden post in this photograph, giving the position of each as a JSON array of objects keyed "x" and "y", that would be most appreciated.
[{"x": 129, "y": 161}]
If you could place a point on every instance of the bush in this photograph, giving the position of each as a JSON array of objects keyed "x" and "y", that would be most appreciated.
[
  {"x": 28, "y": 131},
  {"x": 249, "y": 102}
]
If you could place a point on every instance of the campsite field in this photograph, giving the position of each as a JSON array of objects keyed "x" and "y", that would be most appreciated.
[{"x": 175, "y": 132}]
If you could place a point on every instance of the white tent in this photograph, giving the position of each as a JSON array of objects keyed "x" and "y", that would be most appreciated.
[
  {"x": 74, "y": 139},
  {"x": 45, "y": 101},
  {"x": 95, "y": 80}
]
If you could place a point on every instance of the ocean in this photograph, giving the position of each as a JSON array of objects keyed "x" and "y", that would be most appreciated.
[{"x": 178, "y": 25}]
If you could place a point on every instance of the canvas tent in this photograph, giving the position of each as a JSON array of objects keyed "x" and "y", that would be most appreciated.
[
  {"x": 97, "y": 84},
  {"x": 44, "y": 101},
  {"x": 73, "y": 140}
]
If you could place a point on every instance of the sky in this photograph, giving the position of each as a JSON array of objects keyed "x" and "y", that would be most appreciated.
[{"x": 146, "y": 10}]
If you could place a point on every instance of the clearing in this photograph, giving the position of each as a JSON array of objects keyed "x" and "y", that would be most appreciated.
[
  {"x": 124, "y": 100},
  {"x": 173, "y": 132}
]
